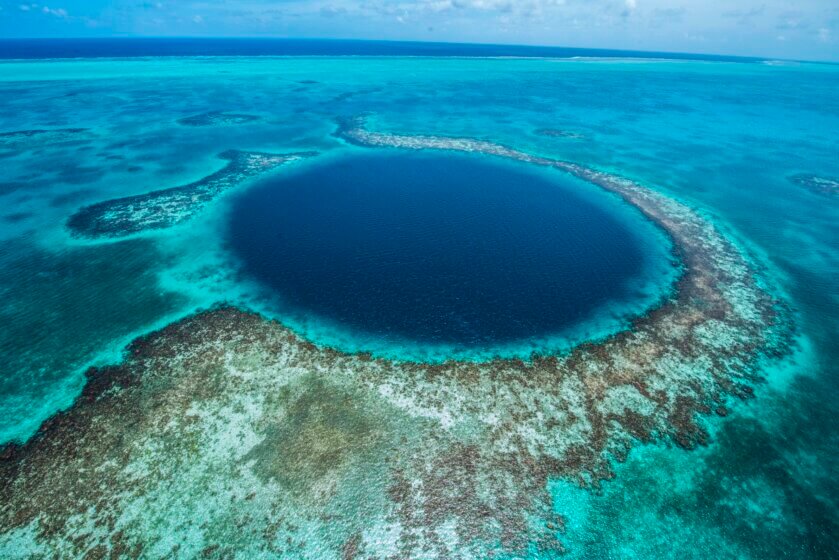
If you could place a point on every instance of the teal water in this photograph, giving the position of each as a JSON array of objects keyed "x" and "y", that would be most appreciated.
[{"x": 724, "y": 137}]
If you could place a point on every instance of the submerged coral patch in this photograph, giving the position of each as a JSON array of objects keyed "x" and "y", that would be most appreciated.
[
  {"x": 559, "y": 133},
  {"x": 168, "y": 207},
  {"x": 824, "y": 186},
  {"x": 278, "y": 447},
  {"x": 20, "y": 139},
  {"x": 217, "y": 118}
]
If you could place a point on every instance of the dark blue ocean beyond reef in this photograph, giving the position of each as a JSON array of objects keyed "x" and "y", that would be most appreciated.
[
  {"x": 436, "y": 248},
  {"x": 183, "y": 46}
]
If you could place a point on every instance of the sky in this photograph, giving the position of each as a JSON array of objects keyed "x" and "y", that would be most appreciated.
[{"x": 792, "y": 29}]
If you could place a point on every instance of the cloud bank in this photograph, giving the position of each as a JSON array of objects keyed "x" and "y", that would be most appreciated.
[{"x": 807, "y": 29}]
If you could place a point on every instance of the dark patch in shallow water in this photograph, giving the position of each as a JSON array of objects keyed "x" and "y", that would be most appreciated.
[
  {"x": 216, "y": 118},
  {"x": 71, "y": 197},
  {"x": 824, "y": 186},
  {"x": 17, "y": 217},
  {"x": 558, "y": 133},
  {"x": 435, "y": 248}
]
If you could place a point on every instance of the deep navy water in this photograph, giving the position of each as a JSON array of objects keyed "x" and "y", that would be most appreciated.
[
  {"x": 183, "y": 46},
  {"x": 435, "y": 248}
]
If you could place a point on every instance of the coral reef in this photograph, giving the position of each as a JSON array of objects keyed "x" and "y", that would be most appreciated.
[
  {"x": 225, "y": 433},
  {"x": 168, "y": 207}
]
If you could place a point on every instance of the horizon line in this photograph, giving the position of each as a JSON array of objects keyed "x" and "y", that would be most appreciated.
[{"x": 233, "y": 38}]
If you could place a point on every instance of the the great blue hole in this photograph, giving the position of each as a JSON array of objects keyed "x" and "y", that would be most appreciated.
[{"x": 435, "y": 248}]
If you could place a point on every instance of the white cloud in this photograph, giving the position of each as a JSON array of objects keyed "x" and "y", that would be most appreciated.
[
  {"x": 777, "y": 28},
  {"x": 57, "y": 12}
]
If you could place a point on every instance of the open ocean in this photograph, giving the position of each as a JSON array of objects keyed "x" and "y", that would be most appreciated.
[{"x": 374, "y": 251}]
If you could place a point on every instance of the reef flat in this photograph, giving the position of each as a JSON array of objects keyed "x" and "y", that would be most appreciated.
[
  {"x": 278, "y": 447},
  {"x": 168, "y": 207},
  {"x": 216, "y": 118}
]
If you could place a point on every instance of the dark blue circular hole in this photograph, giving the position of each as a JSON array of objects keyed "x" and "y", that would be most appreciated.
[{"x": 434, "y": 247}]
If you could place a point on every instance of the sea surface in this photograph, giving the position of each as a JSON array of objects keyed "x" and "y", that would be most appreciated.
[{"x": 349, "y": 247}]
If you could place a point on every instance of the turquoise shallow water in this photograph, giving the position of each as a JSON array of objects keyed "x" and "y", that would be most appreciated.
[{"x": 723, "y": 137}]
